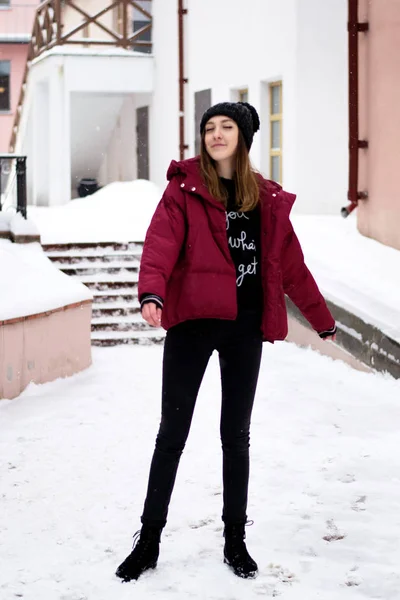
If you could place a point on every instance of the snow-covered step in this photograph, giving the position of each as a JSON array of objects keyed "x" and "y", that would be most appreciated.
[
  {"x": 115, "y": 305},
  {"x": 114, "y": 338},
  {"x": 110, "y": 282},
  {"x": 124, "y": 323},
  {"x": 78, "y": 249},
  {"x": 122, "y": 278},
  {"x": 103, "y": 270},
  {"x": 119, "y": 258},
  {"x": 110, "y": 296},
  {"x": 103, "y": 286},
  {"x": 116, "y": 309}
]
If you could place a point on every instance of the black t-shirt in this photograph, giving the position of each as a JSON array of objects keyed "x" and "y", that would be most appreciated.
[{"x": 244, "y": 241}]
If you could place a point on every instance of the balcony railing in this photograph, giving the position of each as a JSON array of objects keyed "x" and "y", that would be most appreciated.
[
  {"x": 13, "y": 183},
  {"x": 110, "y": 26},
  {"x": 16, "y": 22}
]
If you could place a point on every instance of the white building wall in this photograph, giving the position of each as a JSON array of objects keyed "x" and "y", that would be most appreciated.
[
  {"x": 231, "y": 45},
  {"x": 254, "y": 47},
  {"x": 65, "y": 128},
  {"x": 163, "y": 114},
  {"x": 322, "y": 106},
  {"x": 120, "y": 157}
]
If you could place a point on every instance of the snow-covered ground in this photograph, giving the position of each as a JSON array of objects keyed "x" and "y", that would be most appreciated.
[
  {"x": 324, "y": 494},
  {"x": 119, "y": 212}
]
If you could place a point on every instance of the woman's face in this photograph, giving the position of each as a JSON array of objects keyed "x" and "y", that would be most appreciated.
[{"x": 221, "y": 138}]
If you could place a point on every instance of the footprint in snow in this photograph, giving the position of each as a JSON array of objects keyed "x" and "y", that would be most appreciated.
[
  {"x": 333, "y": 534},
  {"x": 353, "y": 579},
  {"x": 202, "y": 523},
  {"x": 359, "y": 504}
]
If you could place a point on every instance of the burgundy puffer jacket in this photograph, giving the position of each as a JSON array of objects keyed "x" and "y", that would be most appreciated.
[{"x": 187, "y": 262}]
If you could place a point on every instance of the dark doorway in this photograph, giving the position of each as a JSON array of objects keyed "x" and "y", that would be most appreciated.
[
  {"x": 142, "y": 142},
  {"x": 202, "y": 101}
]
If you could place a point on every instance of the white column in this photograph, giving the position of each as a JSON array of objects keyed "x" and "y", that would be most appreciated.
[
  {"x": 38, "y": 160},
  {"x": 59, "y": 136}
]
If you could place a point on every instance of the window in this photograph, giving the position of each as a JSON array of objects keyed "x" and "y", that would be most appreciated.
[
  {"x": 4, "y": 85},
  {"x": 137, "y": 20},
  {"x": 5, "y": 3},
  {"x": 243, "y": 95},
  {"x": 275, "y": 146},
  {"x": 141, "y": 20}
]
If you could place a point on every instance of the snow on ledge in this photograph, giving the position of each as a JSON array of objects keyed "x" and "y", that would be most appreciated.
[
  {"x": 31, "y": 284},
  {"x": 5, "y": 220},
  {"x": 21, "y": 226}
]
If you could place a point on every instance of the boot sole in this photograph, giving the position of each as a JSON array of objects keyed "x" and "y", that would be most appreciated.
[
  {"x": 127, "y": 579},
  {"x": 251, "y": 575}
]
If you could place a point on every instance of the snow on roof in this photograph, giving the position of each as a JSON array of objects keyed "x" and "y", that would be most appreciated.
[
  {"x": 17, "y": 38},
  {"x": 33, "y": 284},
  {"x": 76, "y": 50},
  {"x": 119, "y": 212}
]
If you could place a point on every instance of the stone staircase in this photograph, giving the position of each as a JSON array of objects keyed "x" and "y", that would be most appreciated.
[{"x": 110, "y": 271}]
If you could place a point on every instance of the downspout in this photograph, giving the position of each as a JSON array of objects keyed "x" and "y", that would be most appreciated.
[
  {"x": 354, "y": 27},
  {"x": 182, "y": 80}
]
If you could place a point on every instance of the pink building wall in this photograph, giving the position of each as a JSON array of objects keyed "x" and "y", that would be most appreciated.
[
  {"x": 379, "y": 117},
  {"x": 17, "y": 54},
  {"x": 17, "y": 20},
  {"x": 43, "y": 347}
]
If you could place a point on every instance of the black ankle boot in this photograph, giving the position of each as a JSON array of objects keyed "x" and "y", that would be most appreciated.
[
  {"x": 235, "y": 552},
  {"x": 146, "y": 548}
]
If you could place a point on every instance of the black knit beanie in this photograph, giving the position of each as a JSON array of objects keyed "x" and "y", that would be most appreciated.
[{"x": 244, "y": 115}]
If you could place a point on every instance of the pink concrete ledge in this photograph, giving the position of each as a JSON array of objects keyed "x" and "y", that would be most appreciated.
[
  {"x": 44, "y": 347},
  {"x": 305, "y": 337}
]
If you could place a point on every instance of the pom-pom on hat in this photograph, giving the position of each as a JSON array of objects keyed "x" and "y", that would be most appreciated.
[{"x": 243, "y": 113}]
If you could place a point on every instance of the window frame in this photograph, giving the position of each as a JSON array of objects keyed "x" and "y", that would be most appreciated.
[{"x": 275, "y": 117}]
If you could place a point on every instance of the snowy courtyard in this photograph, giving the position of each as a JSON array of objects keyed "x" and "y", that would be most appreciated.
[{"x": 324, "y": 491}]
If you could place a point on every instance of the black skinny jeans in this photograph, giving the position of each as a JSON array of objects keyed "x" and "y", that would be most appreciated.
[{"x": 187, "y": 350}]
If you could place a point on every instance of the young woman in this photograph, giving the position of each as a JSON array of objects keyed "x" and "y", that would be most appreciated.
[{"x": 219, "y": 256}]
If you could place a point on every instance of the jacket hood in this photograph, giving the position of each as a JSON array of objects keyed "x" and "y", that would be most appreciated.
[{"x": 190, "y": 168}]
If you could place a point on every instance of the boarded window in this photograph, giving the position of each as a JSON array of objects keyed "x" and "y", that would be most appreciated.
[
  {"x": 142, "y": 147},
  {"x": 275, "y": 121},
  {"x": 5, "y": 67},
  {"x": 202, "y": 101},
  {"x": 243, "y": 95}
]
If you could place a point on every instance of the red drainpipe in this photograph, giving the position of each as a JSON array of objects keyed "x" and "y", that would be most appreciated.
[
  {"x": 354, "y": 27},
  {"x": 182, "y": 80}
]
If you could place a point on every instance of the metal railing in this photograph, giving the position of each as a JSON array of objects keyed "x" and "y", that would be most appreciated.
[
  {"x": 49, "y": 31},
  {"x": 13, "y": 183}
]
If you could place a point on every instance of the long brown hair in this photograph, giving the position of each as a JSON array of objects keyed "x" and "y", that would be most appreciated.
[{"x": 245, "y": 178}]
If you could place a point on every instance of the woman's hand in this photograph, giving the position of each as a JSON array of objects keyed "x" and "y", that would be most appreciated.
[
  {"x": 152, "y": 314},
  {"x": 330, "y": 338}
]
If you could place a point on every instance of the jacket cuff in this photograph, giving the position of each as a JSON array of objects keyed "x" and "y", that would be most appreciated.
[
  {"x": 329, "y": 332},
  {"x": 151, "y": 298}
]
